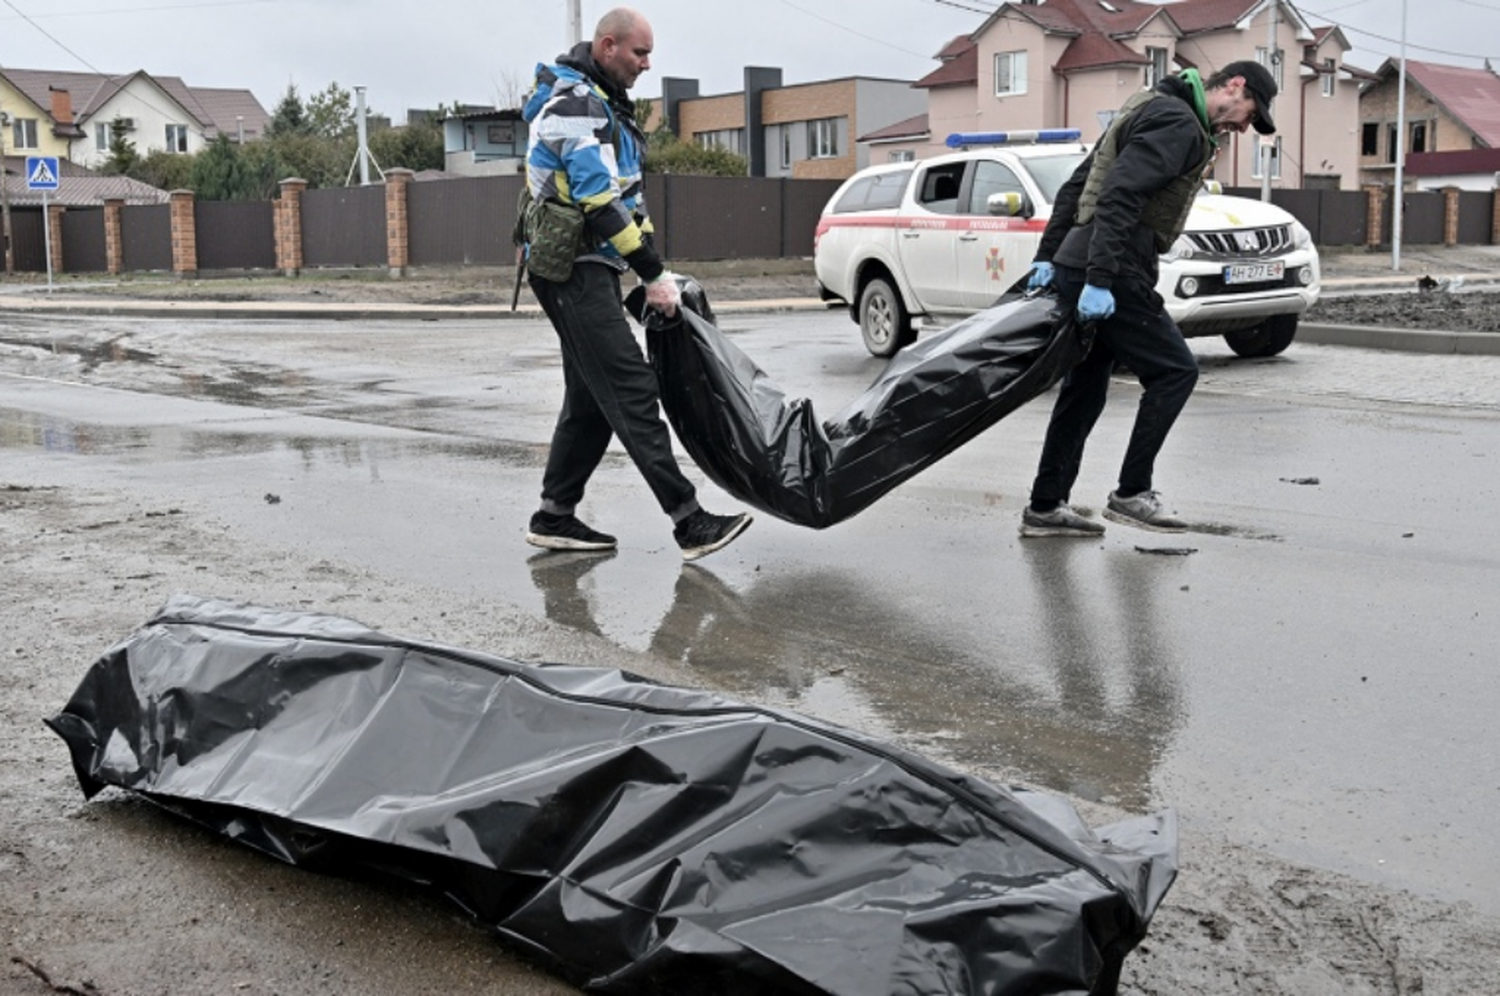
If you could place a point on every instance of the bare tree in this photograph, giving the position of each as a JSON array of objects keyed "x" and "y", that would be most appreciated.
[{"x": 511, "y": 88}]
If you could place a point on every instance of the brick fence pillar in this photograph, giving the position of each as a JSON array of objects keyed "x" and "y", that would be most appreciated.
[
  {"x": 114, "y": 235},
  {"x": 397, "y": 221},
  {"x": 1495, "y": 217},
  {"x": 1450, "y": 216},
  {"x": 55, "y": 214},
  {"x": 288, "y": 225},
  {"x": 1374, "y": 214},
  {"x": 184, "y": 234}
]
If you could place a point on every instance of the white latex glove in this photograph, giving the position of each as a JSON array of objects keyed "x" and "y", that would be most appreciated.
[{"x": 663, "y": 294}]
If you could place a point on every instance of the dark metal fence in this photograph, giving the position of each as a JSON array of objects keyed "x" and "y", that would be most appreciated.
[
  {"x": 146, "y": 236},
  {"x": 468, "y": 221},
  {"x": 1476, "y": 213},
  {"x": 344, "y": 226},
  {"x": 235, "y": 235},
  {"x": 27, "y": 241},
  {"x": 464, "y": 222},
  {"x": 83, "y": 241}
]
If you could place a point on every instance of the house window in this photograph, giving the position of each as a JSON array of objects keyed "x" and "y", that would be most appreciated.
[
  {"x": 1258, "y": 170},
  {"x": 786, "y": 148},
  {"x": 1157, "y": 71},
  {"x": 903, "y": 156},
  {"x": 1330, "y": 77},
  {"x": 101, "y": 137},
  {"x": 23, "y": 133},
  {"x": 823, "y": 138},
  {"x": 728, "y": 139},
  {"x": 1418, "y": 137},
  {"x": 1010, "y": 74},
  {"x": 1272, "y": 61},
  {"x": 1392, "y": 143},
  {"x": 176, "y": 138},
  {"x": 1369, "y": 139}
]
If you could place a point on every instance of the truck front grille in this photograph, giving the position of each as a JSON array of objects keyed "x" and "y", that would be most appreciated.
[{"x": 1244, "y": 242}]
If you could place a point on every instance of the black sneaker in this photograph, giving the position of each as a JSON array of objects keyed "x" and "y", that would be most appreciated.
[
  {"x": 1145, "y": 511},
  {"x": 702, "y": 533},
  {"x": 1061, "y": 521},
  {"x": 565, "y": 532}
]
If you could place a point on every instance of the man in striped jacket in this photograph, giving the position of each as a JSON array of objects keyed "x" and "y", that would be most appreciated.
[{"x": 585, "y": 151}]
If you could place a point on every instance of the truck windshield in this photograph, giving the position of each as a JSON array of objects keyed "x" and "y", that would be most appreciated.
[{"x": 1051, "y": 172}]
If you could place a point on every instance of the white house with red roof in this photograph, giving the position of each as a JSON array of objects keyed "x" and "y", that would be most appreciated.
[{"x": 71, "y": 114}]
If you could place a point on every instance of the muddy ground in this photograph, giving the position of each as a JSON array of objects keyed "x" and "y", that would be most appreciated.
[{"x": 112, "y": 897}]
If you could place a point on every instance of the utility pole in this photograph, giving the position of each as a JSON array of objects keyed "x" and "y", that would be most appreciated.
[
  {"x": 1400, "y": 151},
  {"x": 360, "y": 129},
  {"x": 10, "y": 255},
  {"x": 1264, "y": 148},
  {"x": 575, "y": 22}
]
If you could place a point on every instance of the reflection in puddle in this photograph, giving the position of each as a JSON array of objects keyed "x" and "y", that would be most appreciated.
[{"x": 1086, "y": 700}]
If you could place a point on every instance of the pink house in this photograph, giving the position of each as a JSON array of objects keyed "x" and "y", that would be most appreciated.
[{"x": 1072, "y": 63}]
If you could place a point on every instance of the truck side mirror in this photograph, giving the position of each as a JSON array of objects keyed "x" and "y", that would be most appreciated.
[{"x": 1010, "y": 204}]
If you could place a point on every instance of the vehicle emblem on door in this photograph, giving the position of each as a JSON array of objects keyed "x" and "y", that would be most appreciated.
[{"x": 994, "y": 264}]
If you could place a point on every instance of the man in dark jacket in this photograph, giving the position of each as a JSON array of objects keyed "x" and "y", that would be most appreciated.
[
  {"x": 584, "y": 155},
  {"x": 1124, "y": 206}
]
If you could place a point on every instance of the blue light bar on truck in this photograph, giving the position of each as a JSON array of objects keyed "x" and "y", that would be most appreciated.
[{"x": 961, "y": 139}]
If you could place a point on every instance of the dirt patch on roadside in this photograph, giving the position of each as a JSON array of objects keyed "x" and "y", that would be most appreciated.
[{"x": 1438, "y": 310}]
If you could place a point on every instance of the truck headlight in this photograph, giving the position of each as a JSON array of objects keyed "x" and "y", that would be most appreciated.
[
  {"x": 1301, "y": 237},
  {"x": 1181, "y": 249}
]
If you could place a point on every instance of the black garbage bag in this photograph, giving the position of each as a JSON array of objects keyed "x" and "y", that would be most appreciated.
[
  {"x": 637, "y": 837},
  {"x": 933, "y": 396}
]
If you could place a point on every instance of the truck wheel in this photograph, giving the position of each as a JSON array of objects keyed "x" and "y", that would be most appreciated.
[
  {"x": 1266, "y": 339},
  {"x": 884, "y": 321}
]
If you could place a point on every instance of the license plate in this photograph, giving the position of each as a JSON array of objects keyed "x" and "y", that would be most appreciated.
[{"x": 1254, "y": 273}]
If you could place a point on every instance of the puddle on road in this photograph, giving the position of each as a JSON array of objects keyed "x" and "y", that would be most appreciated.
[{"x": 25, "y": 430}]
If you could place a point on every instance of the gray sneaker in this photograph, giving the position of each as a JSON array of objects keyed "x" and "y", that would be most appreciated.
[
  {"x": 1145, "y": 511},
  {"x": 1061, "y": 521}
]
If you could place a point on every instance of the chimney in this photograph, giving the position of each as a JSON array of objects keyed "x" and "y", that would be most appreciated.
[{"x": 62, "y": 106}]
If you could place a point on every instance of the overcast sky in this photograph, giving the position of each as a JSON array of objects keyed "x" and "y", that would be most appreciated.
[{"x": 414, "y": 54}]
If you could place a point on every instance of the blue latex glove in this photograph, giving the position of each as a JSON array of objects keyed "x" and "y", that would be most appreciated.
[
  {"x": 1041, "y": 276},
  {"x": 1096, "y": 303}
]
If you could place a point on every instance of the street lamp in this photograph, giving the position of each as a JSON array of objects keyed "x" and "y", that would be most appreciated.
[{"x": 1400, "y": 150}]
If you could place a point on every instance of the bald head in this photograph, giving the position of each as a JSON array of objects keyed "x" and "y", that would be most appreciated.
[{"x": 622, "y": 45}]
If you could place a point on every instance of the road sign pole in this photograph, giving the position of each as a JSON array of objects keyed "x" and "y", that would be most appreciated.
[{"x": 47, "y": 238}]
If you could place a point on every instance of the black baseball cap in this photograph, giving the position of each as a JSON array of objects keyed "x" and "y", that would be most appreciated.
[{"x": 1261, "y": 86}]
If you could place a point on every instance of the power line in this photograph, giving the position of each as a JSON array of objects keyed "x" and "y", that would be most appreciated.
[
  {"x": 52, "y": 15},
  {"x": 1396, "y": 41},
  {"x": 860, "y": 34}
]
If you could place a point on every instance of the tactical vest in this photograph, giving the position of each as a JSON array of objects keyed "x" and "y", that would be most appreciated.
[{"x": 1165, "y": 212}]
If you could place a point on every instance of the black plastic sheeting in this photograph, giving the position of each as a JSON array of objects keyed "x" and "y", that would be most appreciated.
[
  {"x": 932, "y": 397},
  {"x": 637, "y": 837}
]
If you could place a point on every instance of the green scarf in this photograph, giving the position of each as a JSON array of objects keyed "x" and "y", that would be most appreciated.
[{"x": 1200, "y": 102}]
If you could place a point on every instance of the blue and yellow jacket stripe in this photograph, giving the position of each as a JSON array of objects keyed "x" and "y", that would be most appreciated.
[{"x": 580, "y": 152}]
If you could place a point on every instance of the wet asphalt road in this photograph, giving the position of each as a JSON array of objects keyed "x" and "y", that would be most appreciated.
[{"x": 1316, "y": 678}]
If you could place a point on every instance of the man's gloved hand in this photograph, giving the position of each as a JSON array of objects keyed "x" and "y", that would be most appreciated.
[
  {"x": 1041, "y": 276},
  {"x": 663, "y": 294},
  {"x": 1096, "y": 303}
]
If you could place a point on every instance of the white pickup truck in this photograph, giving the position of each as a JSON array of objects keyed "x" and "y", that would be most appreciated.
[{"x": 949, "y": 235}]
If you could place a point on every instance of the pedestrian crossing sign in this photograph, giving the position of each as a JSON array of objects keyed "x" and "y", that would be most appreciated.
[{"x": 41, "y": 172}]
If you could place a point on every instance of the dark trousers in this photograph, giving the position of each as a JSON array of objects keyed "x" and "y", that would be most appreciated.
[
  {"x": 1141, "y": 336},
  {"x": 609, "y": 390}
]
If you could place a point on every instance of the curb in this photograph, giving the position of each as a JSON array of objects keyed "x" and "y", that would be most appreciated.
[{"x": 1400, "y": 340}]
